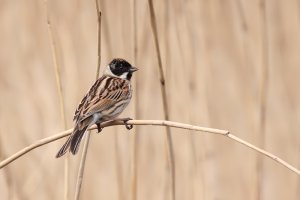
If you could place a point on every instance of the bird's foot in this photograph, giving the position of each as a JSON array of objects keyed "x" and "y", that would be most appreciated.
[
  {"x": 99, "y": 127},
  {"x": 128, "y": 126},
  {"x": 124, "y": 120}
]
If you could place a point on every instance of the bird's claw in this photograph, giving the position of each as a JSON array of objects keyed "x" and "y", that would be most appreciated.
[
  {"x": 128, "y": 126},
  {"x": 99, "y": 127}
]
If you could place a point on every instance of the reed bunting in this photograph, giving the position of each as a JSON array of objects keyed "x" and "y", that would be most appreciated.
[{"x": 105, "y": 100}]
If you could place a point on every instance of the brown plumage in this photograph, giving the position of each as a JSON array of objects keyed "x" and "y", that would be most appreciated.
[{"x": 105, "y": 100}]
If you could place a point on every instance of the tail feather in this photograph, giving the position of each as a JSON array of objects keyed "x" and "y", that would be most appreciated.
[
  {"x": 65, "y": 147},
  {"x": 73, "y": 142}
]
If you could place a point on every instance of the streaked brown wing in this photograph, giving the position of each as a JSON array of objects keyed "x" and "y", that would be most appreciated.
[
  {"x": 105, "y": 104},
  {"x": 86, "y": 98},
  {"x": 114, "y": 92},
  {"x": 79, "y": 108}
]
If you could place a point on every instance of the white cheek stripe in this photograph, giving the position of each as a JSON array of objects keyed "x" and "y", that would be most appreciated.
[
  {"x": 124, "y": 75},
  {"x": 108, "y": 72}
]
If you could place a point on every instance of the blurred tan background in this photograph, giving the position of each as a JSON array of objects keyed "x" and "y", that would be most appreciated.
[{"x": 229, "y": 64}]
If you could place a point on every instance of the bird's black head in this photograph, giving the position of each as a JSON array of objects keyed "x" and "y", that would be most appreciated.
[{"x": 121, "y": 68}]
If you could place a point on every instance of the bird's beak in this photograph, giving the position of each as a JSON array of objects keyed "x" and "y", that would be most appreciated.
[{"x": 133, "y": 69}]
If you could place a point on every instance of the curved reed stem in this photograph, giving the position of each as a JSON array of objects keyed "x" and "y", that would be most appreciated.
[{"x": 152, "y": 123}]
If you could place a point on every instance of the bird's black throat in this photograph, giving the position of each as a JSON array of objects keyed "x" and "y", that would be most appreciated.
[{"x": 129, "y": 75}]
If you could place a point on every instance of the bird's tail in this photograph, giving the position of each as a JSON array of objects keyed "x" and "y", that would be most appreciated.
[
  {"x": 77, "y": 139},
  {"x": 73, "y": 141}
]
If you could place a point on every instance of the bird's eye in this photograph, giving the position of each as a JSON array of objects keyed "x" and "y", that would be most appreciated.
[{"x": 119, "y": 67}]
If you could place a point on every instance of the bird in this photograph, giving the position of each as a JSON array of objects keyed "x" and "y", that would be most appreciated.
[{"x": 105, "y": 100}]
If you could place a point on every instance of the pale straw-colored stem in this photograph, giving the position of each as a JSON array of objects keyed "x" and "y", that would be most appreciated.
[
  {"x": 99, "y": 38},
  {"x": 135, "y": 141},
  {"x": 57, "y": 70},
  {"x": 87, "y": 136},
  {"x": 169, "y": 143},
  {"x": 82, "y": 165},
  {"x": 263, "y": 98}
]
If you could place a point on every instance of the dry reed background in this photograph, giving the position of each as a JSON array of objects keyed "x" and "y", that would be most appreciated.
[{"x": 217, "y": 56}]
